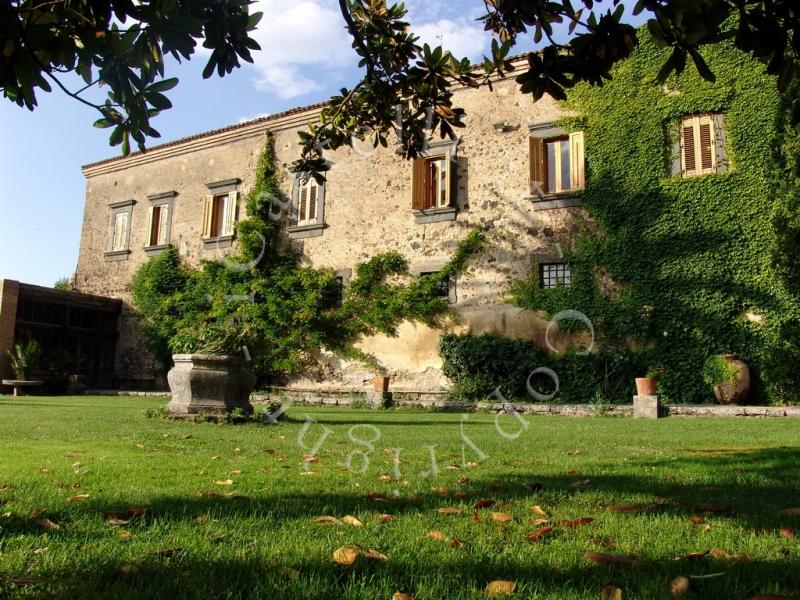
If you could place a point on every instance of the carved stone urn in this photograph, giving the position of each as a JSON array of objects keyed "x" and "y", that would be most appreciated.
[{"x": 208, "y": 383}]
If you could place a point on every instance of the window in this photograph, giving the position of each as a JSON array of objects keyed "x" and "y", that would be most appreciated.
[
  {"x": 308, "y": 192},
  {"x": 159, "y": 222},
  {"x": 120, "y": 236},
  {"x": 219, "y": 215},
  {"x": 557, "y": 163},
  {"x": 552, "y": 275},
  {"x": 334, "y": 293},
  {"x": 702, "y": 145},
  {"x": 432, "y": 182},
  {"x": 119, "y": 233},
  {"x": 443, "y": 288}
]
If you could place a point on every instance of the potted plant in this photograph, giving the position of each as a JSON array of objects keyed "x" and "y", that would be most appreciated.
[
  {"x": 646, "y": 386},
  {"x": 25, "y": 363},
  {"x": 729, "y": 378},
  {"x": 210, "y": 373}
]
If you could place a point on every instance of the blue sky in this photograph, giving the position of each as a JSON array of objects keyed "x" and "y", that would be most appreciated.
[{"x": 305, "y": 57}]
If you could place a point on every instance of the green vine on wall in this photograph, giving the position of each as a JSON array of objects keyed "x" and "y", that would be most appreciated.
[
  {"x": 681, "y": 269},
  {"x": 291, "y": 316}
]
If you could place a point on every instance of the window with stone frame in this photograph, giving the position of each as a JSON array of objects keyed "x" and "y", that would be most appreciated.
[
  {"x": 443, "y": 289},
  {"x": 557, "y": 163},
  {"x": 159, "y": 221},
  {"x": 119, "y": 233},
  {"x": 434, "y": 183},
  {"x": 307, "y": 195},
  {"x": 701, "y": 146},
  {"x": 219, "y": 215}
]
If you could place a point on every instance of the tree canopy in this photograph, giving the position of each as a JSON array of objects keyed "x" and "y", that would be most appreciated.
[{"x": 122, "y": 44}]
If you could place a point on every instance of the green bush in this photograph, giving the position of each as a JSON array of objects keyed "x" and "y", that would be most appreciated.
[{"x": 717, "y": 370}]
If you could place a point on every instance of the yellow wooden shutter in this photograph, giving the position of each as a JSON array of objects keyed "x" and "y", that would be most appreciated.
[
  {"x": 418, "y": 184},
  {"x": 688, "y": 154},
  {"x": 123, "y": 240},
  {"x": 576, "y": 160},
  {"x": 303, "y": 203},
  {"x": 163, "y": 224},
  {"x": 538, "y": 181},
  {"x": 149, "y": 229},
  {"x": 230, "y": 213},
  {"x": 117, "y": 235},
  {"x": 208, "y": 206}
]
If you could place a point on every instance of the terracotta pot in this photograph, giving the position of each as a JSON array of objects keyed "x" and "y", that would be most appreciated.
[
  {"x": 209, "y": 383},
  {"x": 736, "y": 390},
  {"x": 646, "y": 386},
  {"x": 380, "y": 383}
]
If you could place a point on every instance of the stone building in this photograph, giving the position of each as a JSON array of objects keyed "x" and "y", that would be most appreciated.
[{"x": 513, "y": 170}]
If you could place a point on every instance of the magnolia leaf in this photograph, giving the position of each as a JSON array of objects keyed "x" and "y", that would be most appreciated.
[
  {"x": 351, "y": 520},
  {"x": 346, "y": 556},
  {"x": 47, "y": 524},
  {"x": 448, "y": 511},
  {"x": 500, "y": 588},
  {"x": 483, "y": 504},
  {"x": 611, "y": 592},
  {"x": 437, "y": 535},
  {"x": 678, "y": 586},
  {"x": 326, "y": 520},
  {"x": 539, "y": 510},
  {"x": 502, "y": 517},
  {"x": 539, "y": 534},
  {"x": 402, "y": 596}
]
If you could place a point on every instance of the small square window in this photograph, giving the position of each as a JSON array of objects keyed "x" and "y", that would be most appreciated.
[
  {"x": 443, "y": 289},
  {"x": 552, "y": 275},
  {"x": 702, "y": 145},
  {"x": 334, "y": 293}
]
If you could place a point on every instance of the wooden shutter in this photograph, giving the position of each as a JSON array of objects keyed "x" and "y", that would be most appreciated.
[
  {"x": 208, "y": 210},
  {"x": 163, "y": 225},
  {"x": 303, "y": 201},
  {"x": 150, "y": 214},
  {"x": 123, "y": 240},
  {"x": 419, "y": 188},
  {"x": 116, "y": 238},
  {"x": 576, "y": 160},
  {"x": 230, "y": 213},
  {"x": 689, "y": 161},
  {"x": 706, "y": 144},
  {"x": 312, "y": 201},
  {"x": 720, "y": 144},
  {"x": 538, "y": 180}
]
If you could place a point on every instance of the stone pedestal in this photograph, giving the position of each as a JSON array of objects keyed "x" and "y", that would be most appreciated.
[
  {"x": 646, "y": 407},
  {"x": 209, "y": 384},
  {"x": 378, "y": 399}
]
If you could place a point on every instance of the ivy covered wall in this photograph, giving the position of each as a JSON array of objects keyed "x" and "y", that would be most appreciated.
[{"x": 682, "y": 268}]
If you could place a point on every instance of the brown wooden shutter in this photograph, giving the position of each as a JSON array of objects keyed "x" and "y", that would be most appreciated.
[
  {"x": 303, "y": 199},
  {"x": 689, "y": 159},
  {"x": 706, "y": 147},
  {"x": 312, "y": 202},
  {"x": 538, "y": 180},
  {"x": 151, "y": 219},
  {"x": 419, "y": 188}
]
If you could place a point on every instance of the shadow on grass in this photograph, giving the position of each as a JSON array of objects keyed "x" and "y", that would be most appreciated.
[{"x": 730, "y": 496}]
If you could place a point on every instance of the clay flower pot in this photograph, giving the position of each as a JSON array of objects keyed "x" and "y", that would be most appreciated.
[
  {"x": 735, "y": 390},
  {"x": 646, "y": 386},
  {"x": 380, "y": 383}
]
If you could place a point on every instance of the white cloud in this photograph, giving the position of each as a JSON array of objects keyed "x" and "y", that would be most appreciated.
[
  {"x": 303, "y": 46},
  {"x": 246, "y": 119},
  {"x": 462, "y": 37}
]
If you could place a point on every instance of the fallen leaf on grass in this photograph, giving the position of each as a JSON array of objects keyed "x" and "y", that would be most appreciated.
[
  {"x": 326, "y": 520},
  {"x": 440, "y": 490},
  {"x": 539, "y": 510},
  {"x": 696, "y": 555},
  {"x": 385, "y": 518},
  {"x": 624, "y": 508},
  {"x": 787, "y": 533},
  {"x": 583, "y": 483},
  {"x": 378, "y": 498},
  {"x": 722, "y": 554},
  {"x": 20, "y": 581},
  {"x": 502, "y": 517},
  {"x": 44, "y": 470},
  {"x": 128, "y": 569},
  {"x": 345, "y": 556},
  {"x": 482, "y": 504},
  {"x": 611, "y": 592},
  {"x": 678, "y": 586},
  {"x": 47, "y": 524},
  {"x": 541, "y": 521},
  {"x": 459, "y": 495},
  {"x": 351, "y": 520},
  {"x": 539, "y": 534},
  {"x": 125, "y": 534},
  {"x": 224, "y": 482},
  {"x": 375, "y": 555},
  {"x": 533, "y": 487},
  {"x": 79, "y": 498},
  {"x": 114, "y": 522},
  {"x": 437, "y": 535},
  {"x": 288, "y": 572},
  {"x": 456, "y": 543},
  {"x": 40, "y": 550},
  {"x": 448, "y": 510},
  {"x": 500, "y": 588},
  {"x": 463, "y": 480},
  {"x": 168, "y": 552},
  {"x": 573, "y": 523},
  {"x": 610, "y": 559},
  {"x": 605, "y": 543},
  {"x": 697, "y": 520},
  {"x": 402, "y": 596}
]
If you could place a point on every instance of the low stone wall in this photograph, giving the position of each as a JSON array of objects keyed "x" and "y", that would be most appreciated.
[{"x": 436, "y": 402}]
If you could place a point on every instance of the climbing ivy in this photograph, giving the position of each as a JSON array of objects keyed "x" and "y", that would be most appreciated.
[
  {"x": 263, "y": 298},
  {"x": 681, "y": 269}
]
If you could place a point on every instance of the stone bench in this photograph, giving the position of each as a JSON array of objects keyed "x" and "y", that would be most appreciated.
[{"x": 19, "y": 385}]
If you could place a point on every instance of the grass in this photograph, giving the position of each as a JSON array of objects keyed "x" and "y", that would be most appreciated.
[{"x": 261, "y": 540}]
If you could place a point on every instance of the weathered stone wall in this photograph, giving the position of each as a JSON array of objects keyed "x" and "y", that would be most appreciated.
[{"x": 367, "y": 211}]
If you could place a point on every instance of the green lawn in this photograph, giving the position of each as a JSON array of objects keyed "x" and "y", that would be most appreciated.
[{"x": 257, "y": 537}]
